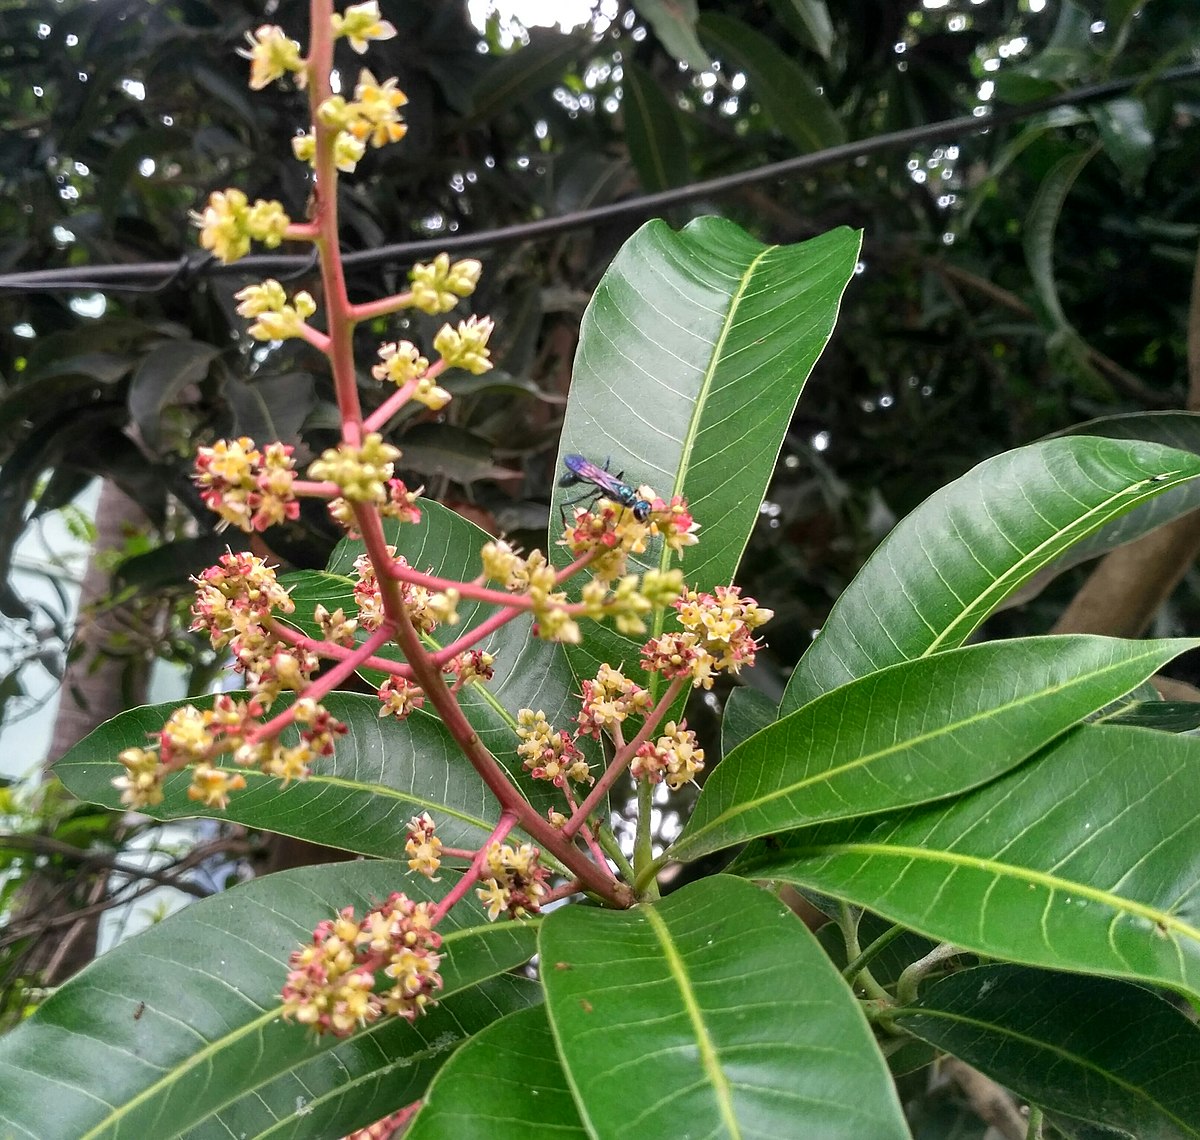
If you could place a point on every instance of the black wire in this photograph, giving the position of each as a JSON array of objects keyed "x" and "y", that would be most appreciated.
[{"x": 156, "y": 276}]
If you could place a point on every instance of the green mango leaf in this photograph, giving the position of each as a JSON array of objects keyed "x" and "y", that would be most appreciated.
[
  {"x": 972, "y": 544},
  {"x": 1085, "y": 859},
  {"x": 1040, "y": 225},
  {"x": 724, "y": 995},
  {"x": 506, "y": 1083},
  {"x": 525, "y": 72},
  {"x": 747, "y": 711},
  {"x": 529, "y": 672},
  {"x": 717, "y": 334},
  {"x": 914, "y": 732},
  {"x": 674, "y": 24},
  {"x": 1094, "y": 1049},
  {"x": 370, "y": 1076},
  {"x": 1165, "y": 716},
  {"x": 808, "y": 21},
  {"x": 169, "y": 1030},
  {"x": 785, "y": 91},
  {"x": 1172, "y": 429},
  {"x": 160, "y": 376},
  {"x": 360, "y": 799},
  {"x": 1127, "y": 136},
  {"x": 652, "y": 131}
]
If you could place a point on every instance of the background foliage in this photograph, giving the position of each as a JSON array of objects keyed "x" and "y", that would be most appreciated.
[{"x": 1012, "y": 283}]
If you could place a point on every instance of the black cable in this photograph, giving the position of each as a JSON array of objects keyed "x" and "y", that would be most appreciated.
[{"x": 156, "y": 276}]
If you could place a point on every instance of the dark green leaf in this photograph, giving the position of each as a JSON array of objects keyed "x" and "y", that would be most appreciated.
[
  {"x": 168, "y": 566},
  {"x": 972, "y": 544},
  {"x": 191, "y": 1009},
  {"x": 381, "y": 774},
  {"x": 652, "y": 132},
  {"x": 507, "y": 1083},
  {"x": 691, "y": 357},
  {"x": 270, "y": 409},
  {"x": 914, "y": 732},
  {"x": 161, "y": 375},
  {"x": 747, "y": 711},
  {"x": 674, "y": 23},
  {"x": 527, "y": 71},
  {"x": 1040, "y": 225},
  {"x": 808, "y": 21},
  {"x": 443, "y": 450},
  {"x": 786, "y": 92},
  {"x": 1166, "y": 716},
  {"x": 1094, "y": 1049},
  {"x": 724, "y": 995},
  {"x": 1085, "y": 859},
  {"x": 1127, "y": 136}
]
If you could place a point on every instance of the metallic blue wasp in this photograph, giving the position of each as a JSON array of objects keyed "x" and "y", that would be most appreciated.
[{"x": 580, "y": 470}]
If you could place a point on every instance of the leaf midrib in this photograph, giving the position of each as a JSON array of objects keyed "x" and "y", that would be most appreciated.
[
  {"x": 1000, "y": 587},
  {"x": 219, "y": 1044},
  {"x": 827, "y": 774},
  {"x": 709, "y": 1059},
  {"x": 1056, "y": 883},
  {"x": 1010, "y": 1034}
]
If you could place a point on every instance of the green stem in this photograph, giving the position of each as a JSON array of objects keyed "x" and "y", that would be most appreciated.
[
  {"x": 910, "y": 980},
  {"x": 610, "y": 846},
  {"x": 643, "y": 843},
  {"x": 864, "y": 980},
  {"x": 859, "y": 963}
]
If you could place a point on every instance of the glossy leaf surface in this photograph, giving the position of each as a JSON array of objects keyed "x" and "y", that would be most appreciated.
[
  {"x": 723, "y": 992},
  {"x": 914, "y": 732},
  {"x": 381, "y": 774},
  {"x": 507, "y": 1083},
  {"x": 953, "y": 560},
  {"x": 1087, "y": 859},
  {"x": 191, "y": 1008},
  {"x": 1095, "y": 1049},
  {"x": 692, "y": 354},
  {"x": 792, "y": 99}
]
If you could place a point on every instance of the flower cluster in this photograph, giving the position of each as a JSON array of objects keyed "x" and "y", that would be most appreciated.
[
  {"x": 331, "y": 983},
  {"x": 399, "y": 698},
  {"x": 423, "y": 848},
  {"x": 437, "y": 287},
  {"x": 246, "y": 486},
  {"x": 549, "y": 754},
  {"x": 674, "y": 757},
  {"x": 717, "y": 634},
  {"x": 470, "y": 667},
  {"x": 360, "y": 24},
  {"x": 608, "y": 700},
  {"x": 610, "y": 532},
  {"x": 272, "y": 56},
  {"x": 514, "y": 880},
  {"x": 427, "y": 609},
  {"x": 465, "y": 347},
  {"x": 190, "y": 736},
  {"x": 372, "y": 118},
  {"x": 199, "y": 737},
  {"x": 363, "y": 473},
  {"x": 274, "y": 316},
  {"x": 235, "y": 603},
  {"x": 401, "y": 503},
  {"x": 229, "y": 223}
]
